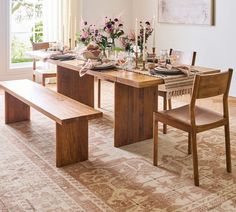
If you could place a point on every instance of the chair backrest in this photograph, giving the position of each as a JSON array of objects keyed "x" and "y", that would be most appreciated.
[
  {"x": 210, "y": 85},
  {"x": 40, "y": 46},
  {"x": 184, "y": 57}
]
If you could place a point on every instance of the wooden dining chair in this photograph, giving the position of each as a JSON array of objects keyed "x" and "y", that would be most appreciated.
[
  {"x": 180, "y": 58},
  {"x": 42, "y": 73},
  {"x": 194, "y": 119}
]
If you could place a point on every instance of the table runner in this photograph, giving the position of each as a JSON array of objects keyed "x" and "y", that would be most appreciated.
[{"x": 175, "y": 85}]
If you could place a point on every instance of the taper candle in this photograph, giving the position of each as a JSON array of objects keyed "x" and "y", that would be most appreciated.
[
  {"x": 63, "y": 35},
  {"x": 154, "y": 32},
  {"x": 136, "y": 35},
  {"x": 144, "y": 44}
]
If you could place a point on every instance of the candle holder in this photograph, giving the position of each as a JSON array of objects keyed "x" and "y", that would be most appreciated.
[
  {"x": 154, "y": 54},
  {"x": 136, "y": 60},
  {"x": 144, "y": 66},
  {"x": 154, "y": 50},
  {"x": 70, "y": 43}
]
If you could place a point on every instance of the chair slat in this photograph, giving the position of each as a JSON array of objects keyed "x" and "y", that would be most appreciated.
[
  {"x": 40, "y": 46},
  {"x": 212, "y": 85}
]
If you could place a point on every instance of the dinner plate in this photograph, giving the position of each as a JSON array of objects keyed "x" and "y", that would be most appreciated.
[
  {"x": 164, "y": 71},
  {"x": 63, "y": 57},
  {"x": 104, "y": 66}
]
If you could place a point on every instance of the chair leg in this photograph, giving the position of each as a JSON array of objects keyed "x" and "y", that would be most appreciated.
[
  {"x": 164, "y": 108},
  {"x": 170, "y": 104},
  {"x": 34, "y": 77},
  {"x": 43, "y": 81},
  {"x": 99, "y": 93},
  {"x": 227, "y": 148},
  {"x": 155, "y": 142},
  {"x": 195, "y": 158},
  {"x": 189, "y": 144}
]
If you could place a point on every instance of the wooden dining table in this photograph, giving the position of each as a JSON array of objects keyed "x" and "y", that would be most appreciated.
[{"x": 135, "y": 97}]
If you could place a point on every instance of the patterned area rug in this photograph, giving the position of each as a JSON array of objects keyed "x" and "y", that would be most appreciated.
[{"x": 113, "y": 179}]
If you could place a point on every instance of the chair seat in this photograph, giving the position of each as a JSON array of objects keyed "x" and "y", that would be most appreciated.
[{"x": 204, "y": 118}]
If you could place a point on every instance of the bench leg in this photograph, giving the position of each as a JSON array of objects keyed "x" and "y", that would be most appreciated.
[
  {"x": 15, "y": 110},
  {"x": 71, "y": 142}
]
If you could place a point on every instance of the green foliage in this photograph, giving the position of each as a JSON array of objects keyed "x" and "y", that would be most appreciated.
[
  {"x": 18, "y": 50},
  {"x": 38, "y": 33},
  {"x": 104, "y": 43}
]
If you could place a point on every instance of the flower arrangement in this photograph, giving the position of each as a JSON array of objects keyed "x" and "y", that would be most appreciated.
[
  {"x": 100, "y": 39},
  {"x": 128, "y": 41},
  {"x": 86, "y": 34},
  {"x": 113, "y": 29},
  {"x": 104, "y": 36}
]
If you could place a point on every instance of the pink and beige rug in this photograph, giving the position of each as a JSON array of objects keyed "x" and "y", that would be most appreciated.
[{"x": 113, "y": 179}]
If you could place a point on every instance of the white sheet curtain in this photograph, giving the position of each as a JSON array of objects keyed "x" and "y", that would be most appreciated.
[{"x": 61, "y": 20}]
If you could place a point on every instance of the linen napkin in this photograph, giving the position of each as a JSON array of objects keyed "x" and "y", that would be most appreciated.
[
  {"x": 184, "y": 69},
  {"x": 87, "y": 66}
]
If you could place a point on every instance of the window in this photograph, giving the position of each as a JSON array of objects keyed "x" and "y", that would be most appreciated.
[{"x": 26, "y": 27}]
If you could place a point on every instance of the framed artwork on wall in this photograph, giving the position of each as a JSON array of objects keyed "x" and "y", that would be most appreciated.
[{"x": 199, "y": 12}]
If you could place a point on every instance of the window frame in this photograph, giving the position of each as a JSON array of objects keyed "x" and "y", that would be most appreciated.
[{"x": 13, "y": 67}]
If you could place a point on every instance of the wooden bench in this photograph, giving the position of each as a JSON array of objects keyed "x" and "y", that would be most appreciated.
[{"x": 71, "y": 117}]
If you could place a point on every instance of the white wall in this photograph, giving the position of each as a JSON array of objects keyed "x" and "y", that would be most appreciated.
[
  {"x": 94, "y": 11},
  {"x": 215, "y": 45}
]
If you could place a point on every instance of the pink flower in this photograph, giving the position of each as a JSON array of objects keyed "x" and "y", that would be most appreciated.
[{"x": 85, "y": 35}]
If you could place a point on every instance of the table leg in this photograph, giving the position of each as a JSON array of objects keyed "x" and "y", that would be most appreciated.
[
  {"x": 71, "y": 142},
  {"x": 134, "y": 109},
  {"x": 15, "y": 110},
  {"x": 69, "y": 83}
]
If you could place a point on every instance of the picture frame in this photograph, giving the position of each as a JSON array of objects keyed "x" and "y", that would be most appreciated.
[{"x": 192, "y": 12}]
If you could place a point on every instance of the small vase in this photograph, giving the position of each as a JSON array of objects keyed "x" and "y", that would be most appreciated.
[
  {"x": 104, "y": 54},
  {"x": 112, "y": 44}
]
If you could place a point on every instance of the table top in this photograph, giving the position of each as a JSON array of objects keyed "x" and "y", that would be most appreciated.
[{"x": 121, "y": 76}]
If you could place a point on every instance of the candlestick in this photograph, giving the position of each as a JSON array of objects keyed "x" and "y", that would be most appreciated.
[
  {"x": 74, "y": 31},
  {"x": 136, "y": 60},
  {"x": 70, "y": 27},
  {"x": 70, "y": 43},
  {"x": 154, "y": 54},
  {"x": 144, "y": 66},
  {"x": 154, "y": 32},
  {"x": 144, "y": 44},
  {"x": 136, "y": 35}
]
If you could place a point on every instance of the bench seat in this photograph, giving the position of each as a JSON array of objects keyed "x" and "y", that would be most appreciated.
[{"x": 71, "y": 116}]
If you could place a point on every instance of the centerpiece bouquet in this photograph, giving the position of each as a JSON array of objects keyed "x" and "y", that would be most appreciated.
[
  {"x": 127, "y": 42},
  {"x": 85, "y": 35},
  {"x": 113, "y": 29}
]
